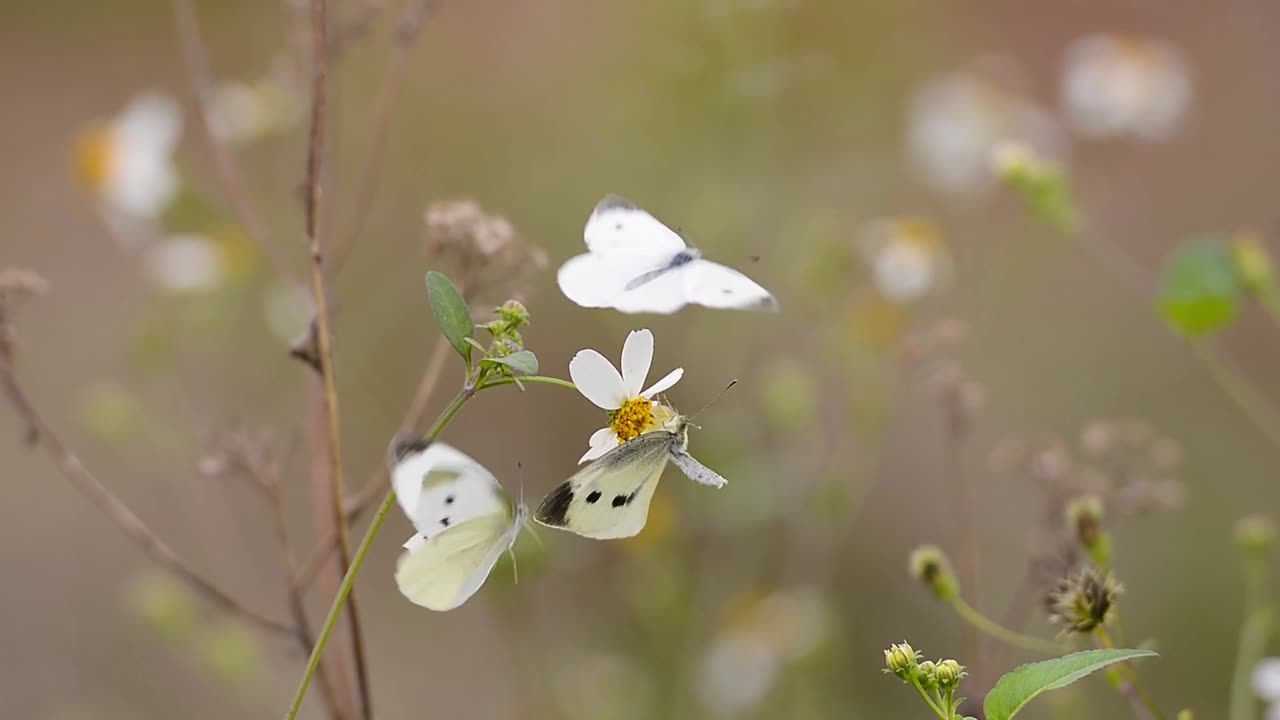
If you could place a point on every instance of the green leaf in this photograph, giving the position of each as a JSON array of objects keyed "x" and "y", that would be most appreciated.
[
  {"x": 521, "y": 361},
  {"x": 1016, "y": 689},
  {"x": 1201, "y": 290},
  {"x": 451, "y": 312}
]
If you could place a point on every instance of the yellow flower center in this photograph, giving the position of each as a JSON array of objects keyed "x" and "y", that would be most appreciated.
[
  {"x": 95, "y": 157},
  {"x": 633, "y": 419}
]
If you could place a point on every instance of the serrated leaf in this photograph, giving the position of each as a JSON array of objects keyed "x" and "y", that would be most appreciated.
[
  {"x": 1201, "y": 289},
  {"x": 451, "y": 311},
  {"x": 1013, "y": 691},
  {"x": 522, "y": 361}
]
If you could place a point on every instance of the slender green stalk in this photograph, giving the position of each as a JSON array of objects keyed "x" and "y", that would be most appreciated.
[
  {"x": 1003, "y": 634},
  {"x": 1244, "y": 394},
  {"x": 937, "y": 710},
  {"x": 528, "y": 379},
  {"x": 1129, "y": 681},
  {"x": 357, "y": 561},
  {"x": 1255, "y": 631}
]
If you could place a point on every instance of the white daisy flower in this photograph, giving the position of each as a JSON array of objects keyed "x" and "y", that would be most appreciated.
[
  {"x": 906, "y": 256},
  {"x": 1115, "y": 85},
  {"x": 185, "y": 263},
  {"x": 958, "y": 118},
  {"x": 128, "y": 162},
  {"x": 631, "y": 412}
]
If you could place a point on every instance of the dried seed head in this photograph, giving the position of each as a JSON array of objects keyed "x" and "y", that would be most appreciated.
[
  {"x": 930, "y": 566},
  {"x": 1082, "y": 600}
]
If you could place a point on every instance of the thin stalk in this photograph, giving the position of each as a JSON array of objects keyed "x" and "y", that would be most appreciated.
[
  {"x": 1255, "y": 632},
  {"x": 528, "y": 379},
  {"x": 1003, "y": 634},
  {"x": 937, "y": 710},
  {"x": 357, "y": 561},
  {"x": 1141, "y": 702}
]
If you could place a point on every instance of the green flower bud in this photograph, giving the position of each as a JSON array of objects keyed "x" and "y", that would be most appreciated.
[
  {"x": 930, "y": 566},
  {"x": 900, "y": 659},
  {"x": 949, "y": 674},
  {"x": 927, "y": 675},
  {"x": 1256, "y": 534},
  {"x": 514, "y": 313},
  {"x": 1084, "y": 517}
]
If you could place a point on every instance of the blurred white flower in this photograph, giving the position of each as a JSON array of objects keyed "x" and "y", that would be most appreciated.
[
  {"x": 241, "y": 112},
  {"x": 957, "y": 119},
  {"x": 631, "y": 412},
  {"x": 1266, "y": 680},
  {"x": 288, "y": 310},
  {"x": 761, "y": 635},
  {"x": 128, "y": 162},
  {"x": 1115, "y": 85},
  {"x": 906, "y": 256},
  {"x": 185, "y": 263}
]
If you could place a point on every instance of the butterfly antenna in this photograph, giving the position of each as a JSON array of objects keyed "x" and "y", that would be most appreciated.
[
  {"x": 714, "y": 399},
  {"x": 515, "y": 568}
]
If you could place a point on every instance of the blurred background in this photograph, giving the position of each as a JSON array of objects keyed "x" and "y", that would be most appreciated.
[{"x": 940, "y": 347}]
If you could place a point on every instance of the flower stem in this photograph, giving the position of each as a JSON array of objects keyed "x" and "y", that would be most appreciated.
[
  {"x": 1001, "y": 633},
  {"x": 357, "y": 561},
  {"x": 1254, "y": 634},
  {"x": 527, "y": 379},
  {"x": 1142, "y": 703},
  {"x": 937, "y": 710}
]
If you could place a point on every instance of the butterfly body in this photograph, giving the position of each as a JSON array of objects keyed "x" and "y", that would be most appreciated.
[{"x": 637, "y": 264}]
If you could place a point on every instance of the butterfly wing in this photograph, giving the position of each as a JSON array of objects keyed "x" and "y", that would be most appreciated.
[
  {"x": 617, "y": 226},
  {"x": 610, "y": 497},
  {"x": 441, "y": 572},
  {"x": 695, "y": 470},
  {"x": 440, "y": 487},
  {"x": 598, "y": 280},
  {"x": 716, "y": 286}
]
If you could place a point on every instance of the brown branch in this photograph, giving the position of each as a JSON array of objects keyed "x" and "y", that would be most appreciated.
[
  {"x": 388, "y": 95},
  {"x": 226, "y": 168},
  {"x": 40, "y": 433},
  {"x": 311, "y": 205}
]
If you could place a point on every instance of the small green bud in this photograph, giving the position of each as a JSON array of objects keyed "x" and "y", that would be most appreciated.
[
  {"x": 1256, "y": 534},
  {"x": 1084, "y": 517},
  {"x": 949, "y": 674},
  {"x": 930, "y": 566},
  {"x": 1253, "y": 262},
  {"x": 514, "y": 313},
  {"x": 900, "y": 659},
  {"x": 927, "y": 675}
]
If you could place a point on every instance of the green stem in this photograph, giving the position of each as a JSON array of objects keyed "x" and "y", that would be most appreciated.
[
  {"x": 937, "y": 710},
  {"x": 357, "y": 561},
  {"x": 1140, "y": 698},
  {"x": 1255, "y": 631},
  {"x": 1001, "y": 633},
  {"x": 528, "y": 379},
  {"x": 1246, "y": 396}
]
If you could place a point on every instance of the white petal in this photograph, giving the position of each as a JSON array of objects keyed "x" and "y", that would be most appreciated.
[
  {"x": 1266, "y": 679},
  {"x": 414, "y": 542},
  {"x": 637, "y": 355},
  {"x": 597, "y": 379},
  {"x": 601, "y": 442},
  {"x": 672, "y": 378}
]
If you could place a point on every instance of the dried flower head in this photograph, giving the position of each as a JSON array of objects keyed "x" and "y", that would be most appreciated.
[
  {"x": 491, "y": 255},
  {"x": 1082, "y": 600},
  {"x": 930, "y": 566}
]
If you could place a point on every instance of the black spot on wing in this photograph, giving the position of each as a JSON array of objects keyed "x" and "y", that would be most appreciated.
[
  {"x": 448, "y": 499},
  {"x": 592, "y": 497},
  {"x": 620, "y": 500},
  {"x": 403, "y": 446},
  {"x": 444, "y": 521},
  {"x": 554, "y": 509}
]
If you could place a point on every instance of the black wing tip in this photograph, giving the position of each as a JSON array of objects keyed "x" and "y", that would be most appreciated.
[
  {"x": 769, "y": 304},
  {"x": 554, "y": 509},
  {"x": 613, "y": 202},
  {"x": 403, "y": 445}
]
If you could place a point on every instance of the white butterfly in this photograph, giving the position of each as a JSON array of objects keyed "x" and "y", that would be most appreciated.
[
  {"x": 464, "y": 522},
  {"x": 636, "y": 264},
  {"x": 610, "y": 497}
]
